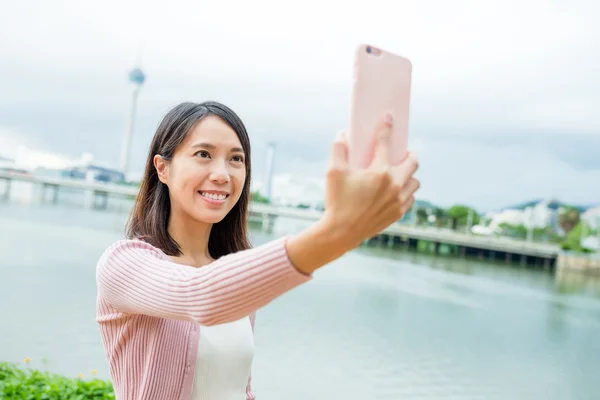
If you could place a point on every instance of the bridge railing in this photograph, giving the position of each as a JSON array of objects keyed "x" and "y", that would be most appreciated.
[{"x": 435, "y": 234}]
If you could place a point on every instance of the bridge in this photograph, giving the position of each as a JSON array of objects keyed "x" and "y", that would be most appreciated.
[
  {"x": 98, "y": 190},
  {"x": 492, "y": 246},
  {"x": 406, "y": 234}
]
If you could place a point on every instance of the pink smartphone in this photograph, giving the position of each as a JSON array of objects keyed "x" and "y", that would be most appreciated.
[{"x": 382, "y": 82}]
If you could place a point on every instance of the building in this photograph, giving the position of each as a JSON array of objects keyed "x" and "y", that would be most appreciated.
[
  {"x": 538, "y": 214},
  {"x": 8, "y": 165},
  {"x": 592, "y": 217},
  {"x": 95, "y": 172},
  {"x": 51, "y": 164},
  {"x": 296, "y": 191}
]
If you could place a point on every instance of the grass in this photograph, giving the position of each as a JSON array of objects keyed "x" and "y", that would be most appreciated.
[{"x": 24, "y": 383}]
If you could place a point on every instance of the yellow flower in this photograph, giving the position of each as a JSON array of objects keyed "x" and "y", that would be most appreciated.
[
  {"x": 94, "y": 371},
  {"x": 80, "y": 376},
  {"x": 27, "y": 360}
]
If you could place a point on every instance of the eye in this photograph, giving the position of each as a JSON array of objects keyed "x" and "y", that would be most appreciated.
[
  {"x": 202, "y": 154},
  {"x": 238, "y": 158}
]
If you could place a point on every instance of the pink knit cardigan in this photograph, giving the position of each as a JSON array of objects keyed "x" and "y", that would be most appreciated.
[{"x": 150, "y": 309}]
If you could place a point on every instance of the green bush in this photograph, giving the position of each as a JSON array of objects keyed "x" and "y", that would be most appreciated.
[
  {"x": 30, "y": 384},
  {"x": 572, "y": 241}
]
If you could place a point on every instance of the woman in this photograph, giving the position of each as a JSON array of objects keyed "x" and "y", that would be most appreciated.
[{"x": 177, "y": 299}]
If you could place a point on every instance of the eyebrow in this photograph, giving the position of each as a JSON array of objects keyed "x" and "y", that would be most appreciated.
[{"x": 212, "y": 147}]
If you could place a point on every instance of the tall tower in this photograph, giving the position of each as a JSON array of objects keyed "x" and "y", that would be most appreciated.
[
  {"x": 137, "y": 77},
  {"x": 269, "y": 169}
]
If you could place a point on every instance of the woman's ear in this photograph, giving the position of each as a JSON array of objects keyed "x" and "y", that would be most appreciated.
[{"x": 161, "y": 168}]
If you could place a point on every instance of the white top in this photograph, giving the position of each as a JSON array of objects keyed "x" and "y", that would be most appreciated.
[{"x": 225, "y": 355}]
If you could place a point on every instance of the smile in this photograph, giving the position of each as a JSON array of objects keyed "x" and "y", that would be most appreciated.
[{"x": 214, "y": 196}]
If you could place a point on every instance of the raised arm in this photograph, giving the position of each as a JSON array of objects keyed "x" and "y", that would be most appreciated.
[{"x": 134, "y": 277}]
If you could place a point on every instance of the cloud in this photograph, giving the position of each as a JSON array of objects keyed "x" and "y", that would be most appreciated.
[
  {"x": 10, "y": 141},
  {"x": 496, "y": 85},
  {"x": 489, "y": 176},
  {"x": 578, "y": 150}
]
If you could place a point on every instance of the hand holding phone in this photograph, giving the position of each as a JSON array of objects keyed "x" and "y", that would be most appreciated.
[{"x": 382, "y": 84}]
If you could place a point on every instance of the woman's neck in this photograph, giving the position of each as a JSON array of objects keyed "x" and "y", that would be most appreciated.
[{"x": 192, "y": 238}]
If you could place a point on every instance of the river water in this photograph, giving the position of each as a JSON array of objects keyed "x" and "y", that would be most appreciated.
[{"x": 375, "y": 324}]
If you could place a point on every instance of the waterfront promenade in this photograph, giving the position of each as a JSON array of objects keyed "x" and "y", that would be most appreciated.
[{"x": 399, "y": 234}]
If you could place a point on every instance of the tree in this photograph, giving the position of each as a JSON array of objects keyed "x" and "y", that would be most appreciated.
[
  {"x": 572, "y": 240},
  {"x": 459, "y": 215},
  {"x": 568, "y": 218},
  {"x": 441, "y": 216},
  {"x": 421, "y": 215},
  {"x": 521, "y": 231},
  {"x": 259, "y": 198}
]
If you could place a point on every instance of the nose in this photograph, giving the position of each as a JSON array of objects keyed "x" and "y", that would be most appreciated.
[{"x": 219, "y": 173}]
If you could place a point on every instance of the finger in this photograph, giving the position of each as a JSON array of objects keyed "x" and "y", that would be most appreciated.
[
  {"x": 402, "y": 172},
  {"x": 404, "y": 208},
  {"x": 382, "y": 146},
  {"x": 409, "y": 190},
  {"x": 339, "y": 152}
]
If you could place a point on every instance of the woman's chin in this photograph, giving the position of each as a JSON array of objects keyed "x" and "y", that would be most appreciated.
[{"x": 209, "y": 216}]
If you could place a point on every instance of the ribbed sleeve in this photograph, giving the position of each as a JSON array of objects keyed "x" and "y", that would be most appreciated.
[{"x": 135, "y": 277}]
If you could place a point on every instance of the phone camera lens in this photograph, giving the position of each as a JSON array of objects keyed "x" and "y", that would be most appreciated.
[{"x": 368, "y": 49}]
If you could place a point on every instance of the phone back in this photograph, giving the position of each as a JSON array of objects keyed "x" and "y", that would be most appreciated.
[{"x": 382, "y": 82}]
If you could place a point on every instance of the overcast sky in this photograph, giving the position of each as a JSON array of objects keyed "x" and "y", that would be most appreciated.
[{"x": 505, "y": 102}]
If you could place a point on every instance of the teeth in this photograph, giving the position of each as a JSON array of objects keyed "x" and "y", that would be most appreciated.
[{"x": 214, "y": 196}]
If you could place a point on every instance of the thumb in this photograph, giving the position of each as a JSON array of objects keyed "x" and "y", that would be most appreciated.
[
  {"x": 382, "y": 147},
  {"x": 339, "y": 151}
]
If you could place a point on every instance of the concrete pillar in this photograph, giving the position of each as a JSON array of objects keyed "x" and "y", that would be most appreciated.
[
  {"x": 265, "y": 223},
  {"x": 546, "y": 264},
  {"x": 268, "y": 222},
  {"x": 390, "y": 241},
  {"x": 103, "y": 204},
  {"x": 6, "y": 195},
  {"x": 55, "y": 194},
  {"x": 90, "y": 195},
  {"x": 43, "y": 193}
]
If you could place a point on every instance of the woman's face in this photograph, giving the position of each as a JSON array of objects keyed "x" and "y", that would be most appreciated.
[{"x": 206, "y": 174}]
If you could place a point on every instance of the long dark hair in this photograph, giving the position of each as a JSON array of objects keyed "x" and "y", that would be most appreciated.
[{"x": 149, "y": 217}]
